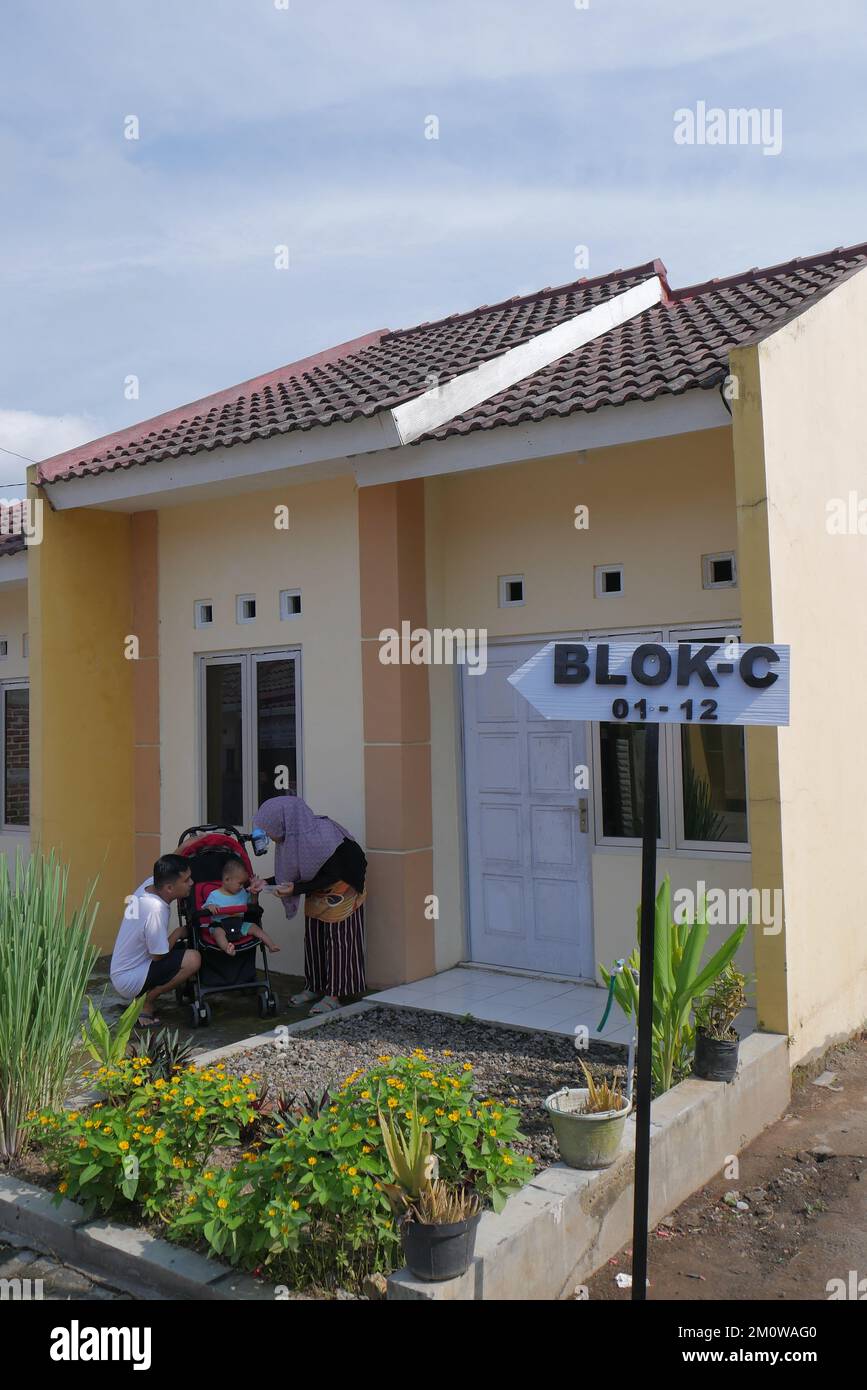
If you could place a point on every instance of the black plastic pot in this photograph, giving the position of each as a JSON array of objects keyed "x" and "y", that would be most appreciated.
[
  {"x": 715, "y": 1060},
  {"x": 439, "y": 1252}
]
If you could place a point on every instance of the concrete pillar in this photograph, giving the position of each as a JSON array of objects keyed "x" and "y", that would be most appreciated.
[{"x": 396, "y": 736}]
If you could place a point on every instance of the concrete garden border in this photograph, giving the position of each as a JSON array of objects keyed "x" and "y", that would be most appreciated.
[
  {"x": 550, "y": 1236},
  {"x": 564, "y": 1225}
]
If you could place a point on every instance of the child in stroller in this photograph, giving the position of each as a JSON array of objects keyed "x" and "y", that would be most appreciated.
[
  {"x": 228, "y": 906},
  {"x": 208, "y": 849}
]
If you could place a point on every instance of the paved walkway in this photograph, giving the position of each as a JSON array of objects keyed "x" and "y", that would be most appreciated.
[{"x": 27, "y": 1275}]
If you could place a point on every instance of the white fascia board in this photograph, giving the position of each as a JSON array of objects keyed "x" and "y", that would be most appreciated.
[
  {"x": 621, "y": 424},
  {"x": 306, "y": 455},
  {"x": 443, "y": 403}
]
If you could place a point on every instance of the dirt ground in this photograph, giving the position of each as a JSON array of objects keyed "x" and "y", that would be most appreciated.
[{"x": 802, "y": 1186}]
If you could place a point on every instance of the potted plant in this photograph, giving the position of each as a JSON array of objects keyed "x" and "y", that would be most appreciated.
[
  {"x": 437, "y": 1219},
  {"x": 716, "y": 1042},
  {"x": 588, "y": 1121}
]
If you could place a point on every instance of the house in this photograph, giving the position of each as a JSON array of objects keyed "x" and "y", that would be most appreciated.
[{"x": 207, "y": 610}]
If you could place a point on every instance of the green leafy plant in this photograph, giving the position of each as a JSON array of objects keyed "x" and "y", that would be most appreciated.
[
  {"x": 717, "y": 1011},
  {"x": 601, "y": 1096},
  {"x": 441, "y": 1204},
  {"x": 679, "y": 978},
  {"x": 106, "y": 1045},
  {"x": 700, "y": 820},
  {"x": 164, "y": 1050},
  {"x": 410, "y": 1159},
  {"x": 46, "y": 956}
]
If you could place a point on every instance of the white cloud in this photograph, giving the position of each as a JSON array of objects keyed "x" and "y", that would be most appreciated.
[{"x": 27, "y": 435}]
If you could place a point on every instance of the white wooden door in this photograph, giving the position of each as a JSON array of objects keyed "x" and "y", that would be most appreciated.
[{"x": 528, "y": 855}]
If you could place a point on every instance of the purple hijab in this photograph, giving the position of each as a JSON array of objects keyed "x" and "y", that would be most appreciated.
[{"x": 302, "y": 840}]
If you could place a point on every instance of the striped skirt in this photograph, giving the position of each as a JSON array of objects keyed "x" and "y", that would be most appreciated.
[{"x": 334, "y": 955}]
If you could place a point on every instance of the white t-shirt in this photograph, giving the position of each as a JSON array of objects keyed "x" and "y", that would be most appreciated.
[{"x": 144, "y": 933}]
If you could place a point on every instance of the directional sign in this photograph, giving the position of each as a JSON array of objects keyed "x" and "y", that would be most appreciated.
[{"x": 701, "y": 682}]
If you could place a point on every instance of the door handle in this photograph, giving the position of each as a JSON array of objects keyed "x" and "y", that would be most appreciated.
[{"x": 582, "y": 815}]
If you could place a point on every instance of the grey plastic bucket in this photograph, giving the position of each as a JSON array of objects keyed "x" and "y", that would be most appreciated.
[{"x": 585, "y": 1141}]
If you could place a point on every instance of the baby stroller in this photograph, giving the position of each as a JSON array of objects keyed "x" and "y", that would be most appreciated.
[{"x": 207, "y": 847}]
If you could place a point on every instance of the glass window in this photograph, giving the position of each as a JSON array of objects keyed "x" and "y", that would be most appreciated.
[
  {"x": 714, "y": 783},
  {"x": 275, "y": 728},
  {"x": 224, "y": 752},
  {"x": 16, "y": 755},
  {"x": 251, "y": 731},
  {"x": 622, "y": 766}
]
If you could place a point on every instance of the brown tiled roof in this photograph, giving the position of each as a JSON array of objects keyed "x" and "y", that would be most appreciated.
[{"x": 678, "y": 345}]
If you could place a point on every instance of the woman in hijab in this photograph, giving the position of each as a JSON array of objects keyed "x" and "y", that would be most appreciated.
[{"x": 316, "y": 856}]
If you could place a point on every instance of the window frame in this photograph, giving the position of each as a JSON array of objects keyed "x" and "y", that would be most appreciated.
[
  {"x": 248, "y": 658},
  {"x": 696, "y": 633},
  {"x": 16, "y": 683},
  {"x": 671, "y": 840}
]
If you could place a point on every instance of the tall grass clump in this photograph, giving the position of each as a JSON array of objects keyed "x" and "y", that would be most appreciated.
[{"x": 46, "y": 957}]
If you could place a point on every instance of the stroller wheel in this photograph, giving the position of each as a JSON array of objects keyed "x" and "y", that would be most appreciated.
[
  {"x": 200, "y": 1015},
  {"x": 266, "y": 1003}
]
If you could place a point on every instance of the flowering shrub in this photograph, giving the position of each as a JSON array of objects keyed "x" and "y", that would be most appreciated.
[
  {"x": 306, "y": 1197},
  {"x": 147, "y": 1137}
]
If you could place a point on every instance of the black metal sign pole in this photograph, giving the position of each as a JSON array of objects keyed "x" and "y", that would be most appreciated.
[{"x": 645, "y": 1014}]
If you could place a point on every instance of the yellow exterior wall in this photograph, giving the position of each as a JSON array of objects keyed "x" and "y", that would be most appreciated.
[
  {"x": 14, "y": 667},
  {"x": 656, "y": 508},
  {"x": 230, "y": 546},
  {"x": 800, "y": 424},
  {"x": 82, "y": 780}
]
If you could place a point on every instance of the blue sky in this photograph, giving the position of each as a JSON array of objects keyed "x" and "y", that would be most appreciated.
[{"x": 305, "y": 126}]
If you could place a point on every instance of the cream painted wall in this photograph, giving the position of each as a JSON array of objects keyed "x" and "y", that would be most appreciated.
[
  {"x": 13, "y": 625},
  {"x": 803, "y": 442},
  {"x": 231, "y": 547},
  {"x": 656, "y": 508}
]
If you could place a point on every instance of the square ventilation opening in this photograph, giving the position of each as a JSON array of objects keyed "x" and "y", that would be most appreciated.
[
  {"x": 4, "y": 648},
  {"x": 719, "y": 571},
  {"x": 290, "y": 603},
  {"x": 511, "y": 590},
  {"x": 608, "y": 580},
  {"x": 245, "y": 608},
  {"x": 204, "y": 613}
]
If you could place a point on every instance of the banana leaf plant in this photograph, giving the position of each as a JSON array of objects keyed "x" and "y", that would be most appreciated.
[{"x": 679, "y": 979}]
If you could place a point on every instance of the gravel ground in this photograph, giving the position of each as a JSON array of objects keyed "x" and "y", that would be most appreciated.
[{"x": 506, "y": 1062}]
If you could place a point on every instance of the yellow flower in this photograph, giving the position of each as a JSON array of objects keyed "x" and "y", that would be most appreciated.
[
  {"x": 159, "y": 1084},
  {"x": 88, "y": 1124},
  {"x": 493, "y": 1133},
  {"x": 123, "y": 1145},
  {"x": 177, "y": 1162},
  {"x": 296, "y": 1205},
  {"x": 62, "y": 1187},
  {"x": 353, "y": 1172},
  {"x": 160, "y": 1134},
  {"x": 422, "y": 1119},
  {"x": 408, "y": 1114},
  {"x": 192, "y": 1198},
  {"x": 98, "y": 1105},
  {"x": 355, "y": 1191},
  {"x": 332, "y": 1109},
  {"x": 448, "y": 1053},
  {"x": 384, "y": 1058},
  {"x": 392, "y": 1103},
  {"x": 332, "y": 1129},
  {"x": 209, "y": 1175},
  {"x": 497, "y": 1114},
  {"x": 106, "y": 1129},
  {"x": 468, "y": 1066},
  {"x": 197, "y": 1114},
  {"x": 138, "y": 1080},
  {"x": 365, "y": 1148},
  {"x": 428, "y": 1075},
  {"x": 188, "y": 1100},
  {"x": 454, "y": 1115},
  {"x": 72, "y": 1116},
  {"x": 508, "y": 1160},
  {"x": 222, "y": 1203},
  {"x": 312, "y": 1161},
  {"x": 148, "y": 1129},
  {"x": 272, "y": 1211},
  {"x": 439, "y": 1110},
  {"x": 365, "y": 1095},
  {"x": 82, "y": 1143}
]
